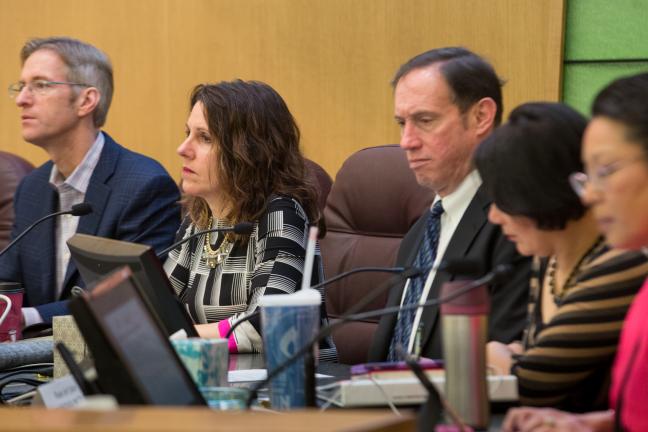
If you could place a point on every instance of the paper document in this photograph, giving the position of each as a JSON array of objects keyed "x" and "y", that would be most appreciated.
[{"x": 249, "y": 375}]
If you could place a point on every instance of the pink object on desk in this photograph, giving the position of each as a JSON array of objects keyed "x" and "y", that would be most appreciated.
[
  {"x": 364, "y": 368},
  {"x": 10, "y": 325},
  {"x": 452, "y": 428}
]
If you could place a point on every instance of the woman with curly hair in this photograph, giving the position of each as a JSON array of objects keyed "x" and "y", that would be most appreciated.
[{"x": 241, "y": 162}]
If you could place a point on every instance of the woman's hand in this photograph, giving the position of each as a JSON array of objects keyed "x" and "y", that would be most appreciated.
[
  {"x": 541, "y": 419},
  {"x": 499, "y": 357},
  {"x": 208, "y": 331},
  {"x": 551, "y": 420},
  {"x": 516, "y": 348}
]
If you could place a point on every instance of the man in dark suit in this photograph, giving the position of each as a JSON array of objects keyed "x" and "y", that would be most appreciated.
[
  {"x": 64, "y": 94},
  {"x": 446, "y": 101}
]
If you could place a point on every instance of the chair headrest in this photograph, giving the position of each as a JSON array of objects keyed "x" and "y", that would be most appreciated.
[
  {"x": 321, "y": 180},
  {"x": 376, "y": 193},
  {"x": 12, "y": 166}
]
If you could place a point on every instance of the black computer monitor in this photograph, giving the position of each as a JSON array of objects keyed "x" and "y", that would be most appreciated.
[
  {"x": 96, "y": 257},
  {"x": 134, "y": 359}
]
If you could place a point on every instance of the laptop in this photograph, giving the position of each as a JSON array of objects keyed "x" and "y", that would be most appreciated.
[
  {"x": 133, "y": 357},
  {"x": 96, "y": 257}
]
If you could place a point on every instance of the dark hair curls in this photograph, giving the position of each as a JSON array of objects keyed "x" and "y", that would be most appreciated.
[{"x": 257, "y": 151}]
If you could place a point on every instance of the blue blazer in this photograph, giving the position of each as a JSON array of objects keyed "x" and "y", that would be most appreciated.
[{"x": 132, "y": 198}]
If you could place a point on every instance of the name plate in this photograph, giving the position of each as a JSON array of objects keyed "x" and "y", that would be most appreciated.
[{"x": 62, "y": 392}]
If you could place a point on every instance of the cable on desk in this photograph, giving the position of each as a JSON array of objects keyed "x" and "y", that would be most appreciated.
[
  {"x": 20, "y": 398},
  {"x": 28, "y": 381},
  {"x": 385, "y": 395},
  {"x": 43, "y": 366},
  {"x": 32, "y": 375},
  {"x": 328, "y": 400}
]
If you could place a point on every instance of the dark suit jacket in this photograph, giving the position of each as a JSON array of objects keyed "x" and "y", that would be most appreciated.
[
  {"x": 132, "y": 198},
  {"x": 476, "y": 239}
]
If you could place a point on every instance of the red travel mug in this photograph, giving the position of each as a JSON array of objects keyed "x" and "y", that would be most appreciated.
[{"x": 11, "y": 299}]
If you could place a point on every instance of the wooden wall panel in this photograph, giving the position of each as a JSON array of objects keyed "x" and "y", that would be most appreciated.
[{"x": 331, "y": 59}]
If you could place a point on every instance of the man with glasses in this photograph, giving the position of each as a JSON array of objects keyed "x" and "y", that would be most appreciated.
[{"x": 64, "y": 94}]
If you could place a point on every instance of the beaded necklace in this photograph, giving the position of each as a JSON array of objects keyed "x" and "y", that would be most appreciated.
[
  {"x": 213, "y": 257},
  {"x": 551, "y": 272}
]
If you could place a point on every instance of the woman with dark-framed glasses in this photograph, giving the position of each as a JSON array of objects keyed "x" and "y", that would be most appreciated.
[{"x": 615, "y": 188}]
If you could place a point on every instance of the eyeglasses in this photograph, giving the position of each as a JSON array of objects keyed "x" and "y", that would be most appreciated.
[
  {"x": 38, "y": 86},
  {"x": 598, "y": 178}
]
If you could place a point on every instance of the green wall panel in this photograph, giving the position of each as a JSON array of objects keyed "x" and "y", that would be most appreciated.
[
  {"x": 606, "y": 29},
  {"x": 581, "y": 82}
]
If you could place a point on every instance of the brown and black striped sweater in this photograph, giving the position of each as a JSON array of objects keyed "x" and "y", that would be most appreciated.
[{"x": 567, "y": 361}]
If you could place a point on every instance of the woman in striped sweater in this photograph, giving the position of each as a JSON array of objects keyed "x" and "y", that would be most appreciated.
[
  {"x": 615, "y": 151},
  {"x": 580, "y": 288}
]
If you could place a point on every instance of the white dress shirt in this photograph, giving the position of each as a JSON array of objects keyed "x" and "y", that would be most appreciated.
[
  {"x": 454, "y": 206},
  {"x": 71, "y": 191}
]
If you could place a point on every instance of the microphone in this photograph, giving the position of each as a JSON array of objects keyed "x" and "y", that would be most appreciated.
[
  {"x": 88, "y": 387},
  {"x": 406, "y": 272},
  {"x": 243, "y": 228},
  {"x": 454, "y": 266},
  {"x": 81, "y": 209},
  {"x": 498, "y": 274}
]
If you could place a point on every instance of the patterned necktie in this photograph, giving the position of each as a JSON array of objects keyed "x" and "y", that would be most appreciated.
[{"x": 424, "y": 259}]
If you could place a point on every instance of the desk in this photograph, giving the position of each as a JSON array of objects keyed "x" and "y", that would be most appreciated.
[{"x": 146, "y": 419}]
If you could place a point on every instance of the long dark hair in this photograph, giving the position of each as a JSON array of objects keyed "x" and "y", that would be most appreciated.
[{"x": 257, "y": 152}]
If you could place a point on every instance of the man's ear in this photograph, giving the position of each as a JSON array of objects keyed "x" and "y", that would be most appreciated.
[
  {"x": 483, "y": 113},
  {"x": 87, "y": 101}
]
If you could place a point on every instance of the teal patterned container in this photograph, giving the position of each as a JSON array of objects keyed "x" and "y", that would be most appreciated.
[
  {"x": 205, "y": 359},
  {"x": 225, "y": 398}
]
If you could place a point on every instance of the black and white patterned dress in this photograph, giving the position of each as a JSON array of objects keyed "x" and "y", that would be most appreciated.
[{"x": 271, "y": 262}]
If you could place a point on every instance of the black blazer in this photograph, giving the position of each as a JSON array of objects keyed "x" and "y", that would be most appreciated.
[{"x": 477, "y": 239}]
